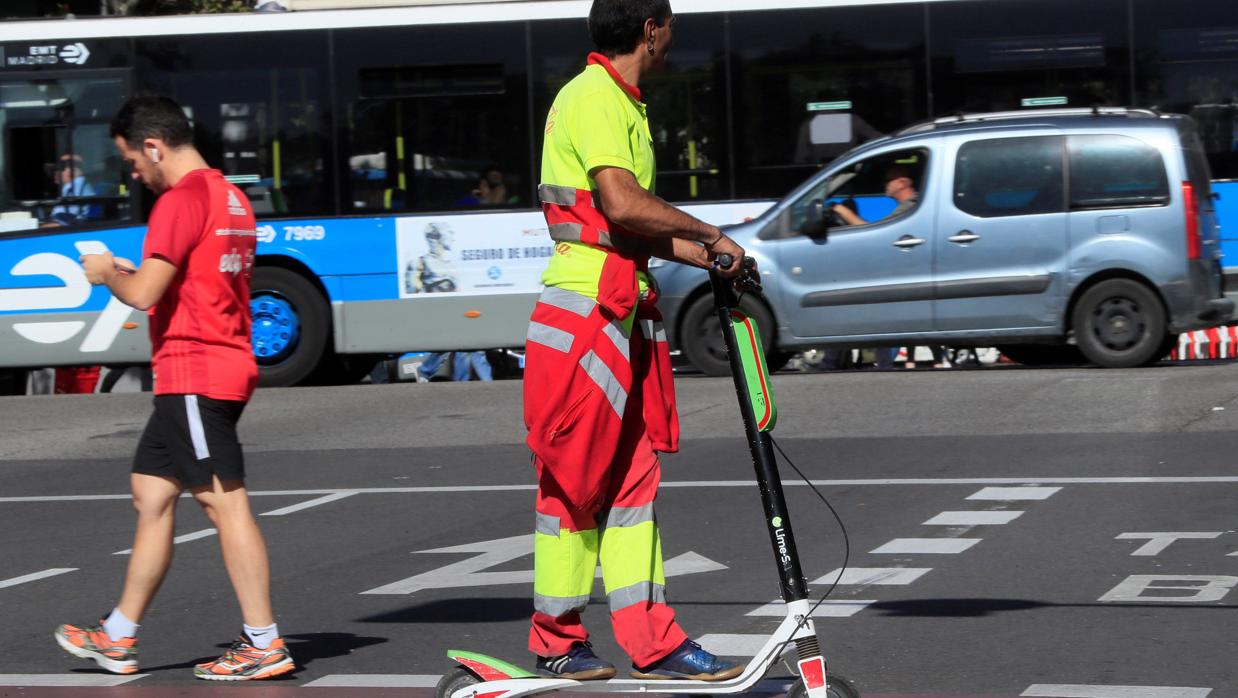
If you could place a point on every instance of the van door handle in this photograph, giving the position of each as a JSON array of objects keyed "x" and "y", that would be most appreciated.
[
  {"x": 907, "y": 242},
  {"x": 963, "y": 237}
]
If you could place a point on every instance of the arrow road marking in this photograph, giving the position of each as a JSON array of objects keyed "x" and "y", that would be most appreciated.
[{"x": 492, "y": 553}]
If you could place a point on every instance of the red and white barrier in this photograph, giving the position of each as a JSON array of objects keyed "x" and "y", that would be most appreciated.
[{"x": 1212, "y": 343}]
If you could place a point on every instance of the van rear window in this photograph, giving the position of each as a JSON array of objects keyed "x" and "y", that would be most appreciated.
[{"x": 1111, "y": 171}]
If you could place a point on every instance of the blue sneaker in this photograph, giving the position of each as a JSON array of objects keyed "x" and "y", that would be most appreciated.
[
  {"x": 580, "y": 664},
  {"x": 689, "y": 661}
]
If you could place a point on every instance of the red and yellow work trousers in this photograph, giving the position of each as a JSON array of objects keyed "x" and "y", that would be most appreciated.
[{"x": 598, "y": 474}]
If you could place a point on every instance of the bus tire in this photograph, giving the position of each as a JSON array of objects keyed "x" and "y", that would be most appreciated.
[
  {"x": 13, "y": 381},
  {"x": 291, "y": 326},
  {"x": 700, "y": 337}
]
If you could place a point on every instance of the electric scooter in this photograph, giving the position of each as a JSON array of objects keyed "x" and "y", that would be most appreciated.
[{"x": 481, "y": 676}]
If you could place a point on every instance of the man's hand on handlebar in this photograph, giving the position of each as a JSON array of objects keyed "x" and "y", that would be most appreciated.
[{"x": 726, "y": 246}]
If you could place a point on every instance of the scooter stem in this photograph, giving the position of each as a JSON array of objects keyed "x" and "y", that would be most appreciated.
[{"x": 777, "y": 518}]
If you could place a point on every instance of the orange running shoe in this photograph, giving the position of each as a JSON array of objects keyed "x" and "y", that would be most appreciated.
[
  {"x": 244, "y": 662},
  {"x": 92, "y": 642}
]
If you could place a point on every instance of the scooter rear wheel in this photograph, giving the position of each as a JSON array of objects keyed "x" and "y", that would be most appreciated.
[
  {"x": 838, "y": 687},
  {"x": 454, "y": 680}
]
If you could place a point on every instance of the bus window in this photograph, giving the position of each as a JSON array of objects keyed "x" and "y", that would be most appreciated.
[
  {"x": 1031, "y": 54},
  {"x": 794, "y": 66},
  {"x": 1188, "y": 64},
  {"x": 258, "y": 112},
  {"x": 57, "y": 162},
  {"x": 429, "y": 113},
  {"x": 687, "y": 113}
]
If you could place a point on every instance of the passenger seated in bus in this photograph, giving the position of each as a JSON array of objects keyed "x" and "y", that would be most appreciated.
[
  {"x": 491, "y": 190},
  {"x": 72, "y": 183},
  {"x": 899, "y": 186}
]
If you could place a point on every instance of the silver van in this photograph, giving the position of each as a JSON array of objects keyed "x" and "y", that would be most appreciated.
[{"x": 1065, "y": 235}]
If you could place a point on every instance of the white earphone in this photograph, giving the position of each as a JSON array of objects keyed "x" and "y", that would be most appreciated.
[{"x": 154, "y": 155}]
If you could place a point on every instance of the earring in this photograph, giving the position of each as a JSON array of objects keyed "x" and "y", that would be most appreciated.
[{"x": 650, "y": 48}]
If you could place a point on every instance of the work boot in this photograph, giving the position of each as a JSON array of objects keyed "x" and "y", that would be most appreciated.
[
  {"x": 580, "y": 664},
  {"x": 689, "y": 661}
]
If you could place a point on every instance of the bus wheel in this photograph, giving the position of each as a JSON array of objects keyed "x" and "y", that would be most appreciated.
[
  {"x": 291, "y": 325},
  {"x": 700, "y": 338},
  {"x": 13, "y": 381}
]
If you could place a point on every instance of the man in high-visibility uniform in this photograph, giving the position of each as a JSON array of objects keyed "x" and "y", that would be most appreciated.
[{"x": 599, "y": 400}]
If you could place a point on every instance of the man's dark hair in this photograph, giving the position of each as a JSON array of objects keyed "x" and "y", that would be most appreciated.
[
  {"x": 617, "y": 26},
  {"x": 152, "y": 116}
]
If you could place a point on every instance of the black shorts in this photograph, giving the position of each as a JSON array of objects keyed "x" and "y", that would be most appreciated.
[{"x": 190, "y": 438}]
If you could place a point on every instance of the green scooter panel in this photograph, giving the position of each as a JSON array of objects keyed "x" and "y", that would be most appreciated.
[{"x": 752, "y": 356}]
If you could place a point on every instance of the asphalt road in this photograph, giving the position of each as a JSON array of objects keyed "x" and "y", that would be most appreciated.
[{"x": 1011, "y": 533}]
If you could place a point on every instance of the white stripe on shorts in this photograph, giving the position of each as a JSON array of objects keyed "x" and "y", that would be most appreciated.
[{"x": 196, "y": 432}]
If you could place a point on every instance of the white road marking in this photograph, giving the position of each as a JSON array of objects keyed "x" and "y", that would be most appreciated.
[
  {"x": 1157, "y": 542},
  {"x": 34, "y": 578},
  {"x": 828, "y": 609},
  {"x": 896, "y": 482},
  {"x": 471, "y": 572},
  {"x": 733, "y": 645},
  {"x": 204, "y": 533},
  {"x": 883, "y": 576},
  {"x": 925, "y": 546},
  {"x": 1014, "y": 494},
  {"x": 1050, "y": 690},
  {"x": 65, "y": 680},
  {"x": 375, "y": 681},
  {"x": 327, "y": 498},
  {"x": 973, "y": 518},
  {"x": 431, "y": 680}
]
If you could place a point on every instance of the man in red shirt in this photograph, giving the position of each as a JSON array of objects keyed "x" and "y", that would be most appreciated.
[{"x": 194, "y": 282}]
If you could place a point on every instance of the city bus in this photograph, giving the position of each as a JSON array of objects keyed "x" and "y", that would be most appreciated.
[{"x": 364, "y": 139}]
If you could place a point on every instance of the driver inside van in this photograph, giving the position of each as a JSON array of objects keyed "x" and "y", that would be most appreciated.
[{"x": 899, "y": 186}]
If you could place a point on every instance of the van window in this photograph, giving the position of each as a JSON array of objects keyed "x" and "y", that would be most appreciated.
[
  {"x": 1113, "y": 171},
  {"x": 1009, "y": 176},
  {"x": 861, "y": 186}
]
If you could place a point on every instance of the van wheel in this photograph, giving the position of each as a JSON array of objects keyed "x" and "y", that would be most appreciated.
[
  {"x": 700, "y": 337},
  {"x": 291, "y": 325},
  {"x": 1120, "y": 323}
]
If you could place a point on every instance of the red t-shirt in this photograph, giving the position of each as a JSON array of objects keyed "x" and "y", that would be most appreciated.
[{"x": 200, "y": 328}]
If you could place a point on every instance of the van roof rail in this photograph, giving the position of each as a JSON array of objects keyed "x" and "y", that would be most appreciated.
[{"x": 976, "y": 117}]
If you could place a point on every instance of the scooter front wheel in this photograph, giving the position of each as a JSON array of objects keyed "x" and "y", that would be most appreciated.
[
  {"x": 837, "y": 687},
  {"x": 456, "y": 679}
]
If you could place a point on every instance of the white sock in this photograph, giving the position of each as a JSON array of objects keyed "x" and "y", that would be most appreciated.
[
  {"x": 261, "y": 637},
  {"x": 117, "y": 626}
]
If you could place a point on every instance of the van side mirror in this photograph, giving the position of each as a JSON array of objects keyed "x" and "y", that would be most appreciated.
[{"x": 815, "y": 225}]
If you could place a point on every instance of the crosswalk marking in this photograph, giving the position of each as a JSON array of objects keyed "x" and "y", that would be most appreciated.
[
  {"x": 325, "y": 499},
  {"x": 35, "y": 577},
  {"x": 65, "y": 680},
  {"x": 204, "y": 533},
  {"x": 973, "y": 518},
  {"x": 375, "y": 681},
  {"x": 1051, "y": 690},
  {"x": 928, "y": 546},
  {"x": 884, "y": 576},
  {"x": 1014, "y": 494},
  {"x": 842, "y": 608}
]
